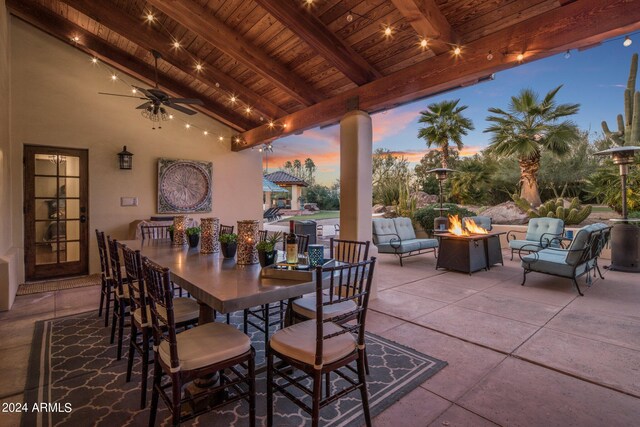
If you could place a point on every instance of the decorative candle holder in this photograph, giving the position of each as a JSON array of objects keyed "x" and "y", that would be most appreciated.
[
  {"x": 210, "y": 242},
  {"x": 179, "y": 237},
  {"x": 316, "y": 255},
  {"x": 247, "y": 239}
]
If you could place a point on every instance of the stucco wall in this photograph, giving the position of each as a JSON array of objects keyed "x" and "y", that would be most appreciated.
[{"x": 56, "y": 102}]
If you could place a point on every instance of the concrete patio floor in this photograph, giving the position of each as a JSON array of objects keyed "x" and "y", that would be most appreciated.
[{"x": 537, "y": 355}]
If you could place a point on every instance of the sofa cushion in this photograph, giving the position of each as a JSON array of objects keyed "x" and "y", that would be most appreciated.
[
  {"x": 404, "y": 228},
  {"x": 539, "y": 226},
  {"x": 428, "y": 243},
  {"x": 384, "y": 230},
  {"x": 581, "y": 240}
]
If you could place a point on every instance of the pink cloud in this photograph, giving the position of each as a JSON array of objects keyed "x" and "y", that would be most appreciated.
[{"x": 392, "y": 122}]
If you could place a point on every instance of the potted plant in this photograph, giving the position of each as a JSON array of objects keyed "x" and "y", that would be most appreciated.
[
  {"x": 193, "y": 234},
  {"x": 170, "y": 229},
  {"x": 228, "y": 245},
  {"x": 267, "y": 249}
]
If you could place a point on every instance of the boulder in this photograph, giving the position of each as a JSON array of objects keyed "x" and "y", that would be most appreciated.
[
  {"x": 376, "y": 209},
  {"x": 313, "y": 207},
  {"x": 423, "y": 199},
  {"x": 505, "y": 213}
]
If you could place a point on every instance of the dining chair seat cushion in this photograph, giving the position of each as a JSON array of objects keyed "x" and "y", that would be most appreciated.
[
  {"x": 299, "y": 342},
  {"x": 206, "y": 345},
  {"x": 306, "y": 307},
  {"x": 184, "y": 310}
]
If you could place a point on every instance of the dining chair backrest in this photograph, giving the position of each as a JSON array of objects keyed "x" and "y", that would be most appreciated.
[
  {"x": 225, "y": 229},
  {"x": 262, "y": 235},
  {"x": 155, "y": 232},
  {"x": 134, "y": 280},
  {"x": 114, "y": 260},
  {"x": 349, "y": 251},
  {"x": 157, "y": 280},
  {"x": 345, "y": 282},
  {"x": 104, "y": 255},
  {"x": 303, "y": 243}
]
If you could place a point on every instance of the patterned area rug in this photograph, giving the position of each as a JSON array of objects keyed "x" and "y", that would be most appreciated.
[
  {"x": 57, "y": 285},
  {"x": 73, "y": 368}
]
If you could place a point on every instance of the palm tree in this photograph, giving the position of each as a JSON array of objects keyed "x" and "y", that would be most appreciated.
[
  {"x": 445, "y": 125},
  {"x": 529, "y": 127},
  {"x": 310, "y": 169}
]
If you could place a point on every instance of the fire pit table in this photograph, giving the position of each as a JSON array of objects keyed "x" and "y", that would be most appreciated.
[{"x": 469, "y": 253}]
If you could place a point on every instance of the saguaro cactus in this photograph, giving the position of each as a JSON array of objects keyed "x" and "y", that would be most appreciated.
[{"x": 628, "y": 127}]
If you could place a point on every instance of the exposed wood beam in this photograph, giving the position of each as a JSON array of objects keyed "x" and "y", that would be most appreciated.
[
  {"x": 428, "y": 21},
  {"x": 201, "y": 21},
  {"x": 577, "y": 24},
  {"x": 322, "y": 40},
  {"x": 148, "y": 38},
  {"x": 55, "y": 25}
]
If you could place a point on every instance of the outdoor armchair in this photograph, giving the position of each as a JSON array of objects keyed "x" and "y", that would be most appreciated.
[
  {"x": 580, "y": 258},
  {"x": 541, "y": 233},
  {"x": 396, "y": 236}
]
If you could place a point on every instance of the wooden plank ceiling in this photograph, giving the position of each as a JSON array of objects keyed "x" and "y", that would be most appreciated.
[{"x": 269, "y": 68}]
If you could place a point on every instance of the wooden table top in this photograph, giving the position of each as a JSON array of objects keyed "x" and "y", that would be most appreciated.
[{"x": 218, "y": 282}]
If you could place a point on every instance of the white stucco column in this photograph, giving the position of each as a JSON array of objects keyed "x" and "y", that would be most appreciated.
[
  {"x": 295, "y": 193},
  {"x": 356, "y": 189},
  {"x": 267, "y": 199}
]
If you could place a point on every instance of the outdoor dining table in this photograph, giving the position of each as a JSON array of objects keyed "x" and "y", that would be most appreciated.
[{"x": 218, "y": 283}]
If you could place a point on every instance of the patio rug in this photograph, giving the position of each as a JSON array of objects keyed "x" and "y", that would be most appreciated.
[
  {"x": 57, "y": 285},
  {"x": 73, "y": 368}
]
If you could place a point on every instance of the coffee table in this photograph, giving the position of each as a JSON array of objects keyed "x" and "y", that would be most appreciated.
[{"x": 469, "y": 254}]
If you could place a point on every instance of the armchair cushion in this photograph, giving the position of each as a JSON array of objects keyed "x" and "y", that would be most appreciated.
[
  {"x": 531, "y": 245},
  {"x": 539, "y": 226},
  {"x": 384, "y": 230},
  {"x": 552, "y": 261},
  {"x": 581, "y": 240},
  {"x": 407, "y": 246},
  {"x": 404, "y": 228}
]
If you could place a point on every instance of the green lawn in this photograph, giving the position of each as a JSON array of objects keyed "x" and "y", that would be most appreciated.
[{"x": 315, "y": 216}]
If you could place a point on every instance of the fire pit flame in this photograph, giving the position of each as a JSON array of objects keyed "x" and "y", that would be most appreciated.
[{"x": 456, "y": 227}]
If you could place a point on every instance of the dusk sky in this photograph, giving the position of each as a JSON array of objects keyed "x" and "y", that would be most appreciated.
[{"x": 594, "y": 78}]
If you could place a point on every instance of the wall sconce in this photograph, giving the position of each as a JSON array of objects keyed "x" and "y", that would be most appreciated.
[{"x": 125, "y": 159}]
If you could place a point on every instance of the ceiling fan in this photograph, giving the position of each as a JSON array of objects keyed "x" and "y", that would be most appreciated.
[{"x": 156, "y": 99}]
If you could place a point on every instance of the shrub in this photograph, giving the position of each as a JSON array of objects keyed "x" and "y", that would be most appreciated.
[{"x": 426, "y": 215}]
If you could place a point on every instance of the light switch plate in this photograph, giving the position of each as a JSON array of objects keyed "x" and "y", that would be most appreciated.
[{"x": 128, "y": 201}]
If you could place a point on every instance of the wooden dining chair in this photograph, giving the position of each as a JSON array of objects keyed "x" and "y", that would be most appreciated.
[
  {"x": 350, "y": 251},
  {"x": 121, "y": 295},
  {"x": 155, "y": 232},
  {"x": 273, "y": 314},
  {"x": 186, "y": 314},
  {"x": 225, "y": 229},
  {"x": 106, "y": 281},
  {"x": 262, "y": 235},
  {"x": 323, "y": 346},
  {"x": 195, "y": 353}
]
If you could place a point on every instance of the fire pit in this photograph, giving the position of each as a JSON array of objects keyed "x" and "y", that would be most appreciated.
[{"x": 468, "y": 249}]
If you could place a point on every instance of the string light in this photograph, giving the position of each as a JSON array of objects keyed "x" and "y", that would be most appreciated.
[
  {"x": 387, "y": 31},
  {"x": 423, "y": 43},
  {"x": 150, "y": 17},
  {"x": 233, "y": 98},
  {"x": 220, "y": 138},
  {"x": 94, "y": 60},
  {"x": 187, "y": 125},
  {"x": 205, "y": 133},
  {"x": 349, "y": 17},
  {"x": 75, "y": 39},
  {"x": 176, "y": 44},
  {"x": 198, "y": 67},
  {"x": 247, "y": 110},
  {"x": 237, "y": 139},
  {"x": 309, "y": 2},
  {"x": 627, "y": 41},
  {"x": 271, "y": 124},
  {"x": 457, "y": 50},
  {"x": 134, "y": 91},
  {"x": 489, "y": 56},
  {"x": 114, "y": 77},
  {"x": 170, "y": 116},
  {"x": 520, "y": 57}
]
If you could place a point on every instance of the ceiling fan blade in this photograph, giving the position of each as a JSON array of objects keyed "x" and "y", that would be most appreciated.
[
  {"x": 124, "y": 96},
  {"x": 181, "y": 108},
  {"x": 145, "y": 92},
  {"x": 158, "y": 94},
  {"x": 144, "y": 106},
  {"x": 186, "y": 101}
]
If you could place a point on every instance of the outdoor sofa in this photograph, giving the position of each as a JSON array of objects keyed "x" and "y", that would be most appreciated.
[
  {"x": 580, "y": 258},
  {"x": 397, "y": 236}
]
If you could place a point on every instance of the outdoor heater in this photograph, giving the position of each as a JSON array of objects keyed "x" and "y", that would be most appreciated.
[
  {"x": 625, "y": 235},
  {"x": 441, "y": 223}
]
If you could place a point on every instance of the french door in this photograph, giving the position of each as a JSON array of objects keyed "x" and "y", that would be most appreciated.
[{"x": 56, "y": 234}]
